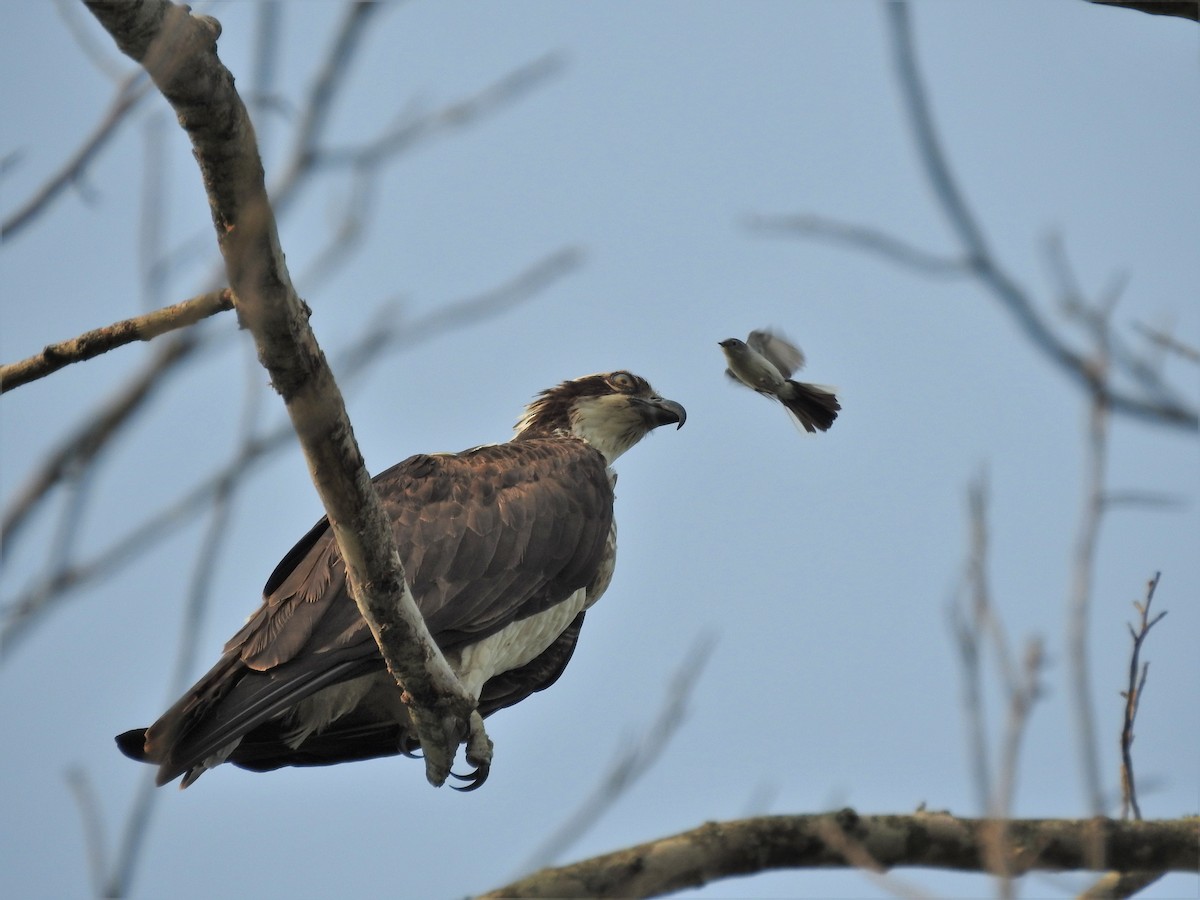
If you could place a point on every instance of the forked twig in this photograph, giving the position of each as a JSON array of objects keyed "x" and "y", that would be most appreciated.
[{"x": 1133, "y": 697}]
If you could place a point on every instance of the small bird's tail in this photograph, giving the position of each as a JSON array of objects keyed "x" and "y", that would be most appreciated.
[
  {"x": 133, "y": 744},
  {"x": 811, "y": 408}
]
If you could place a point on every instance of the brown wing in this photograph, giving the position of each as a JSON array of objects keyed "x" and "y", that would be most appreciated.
[
  {"x": 370, "y": 731},
  {"x": 487, "y": 537}
]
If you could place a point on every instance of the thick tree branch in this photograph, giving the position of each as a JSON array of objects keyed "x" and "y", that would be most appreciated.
[
  {"x": 382, "y": 335},
  {"x": 940, "y": 841},
  {"x": 178, "y": 50},
  {"x": 92, "y": 343}
]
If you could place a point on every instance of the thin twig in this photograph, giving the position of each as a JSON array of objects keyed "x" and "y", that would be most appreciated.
[
  {"x": 1156, "y": 403},
  {"x": 331, "y": 77},
  {"x": 154, "y": 213},
  {"x": 93, "y": 343},
  {"x": 84, "y": 446},
  {"x": 861, "y": 237},
  {"x": 129, "y": 94},
  {"x": 93, "y": 826},
  {"x": 101, "y": 55},
  {"x": 1169, "y": 342},
  {"x": 951, "y": 199},
  {"x": 636, "y": 757},
  {"x": 195, "y": 607},
  {"x": 1079, "y": 599},
  {"x": 1133, "y": 698},
  {"x": 998, "y": 848},
  {"x": 968, "y": 630},
  {"x": 410, "y": 130}
]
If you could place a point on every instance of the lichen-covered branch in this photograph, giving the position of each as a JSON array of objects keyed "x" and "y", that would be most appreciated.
[
  {"x": 719, "y": 850},
  {"x": 178, "y": 50}
]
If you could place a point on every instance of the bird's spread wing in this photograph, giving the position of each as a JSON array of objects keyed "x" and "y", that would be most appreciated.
[
  {"x": 778, "y": 350},
  {"x": 487, "y": 537}
]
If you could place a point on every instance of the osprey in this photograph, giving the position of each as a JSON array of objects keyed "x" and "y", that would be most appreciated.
[
  {"x": 764, "y": 362},
  {"x": 505, "y": 546}
]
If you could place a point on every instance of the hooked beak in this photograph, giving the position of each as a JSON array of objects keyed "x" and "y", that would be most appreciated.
[{"x": 660, "y": 411}]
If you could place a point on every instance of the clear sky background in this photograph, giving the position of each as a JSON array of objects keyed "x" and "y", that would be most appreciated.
[{"x": 824, "y": 568}]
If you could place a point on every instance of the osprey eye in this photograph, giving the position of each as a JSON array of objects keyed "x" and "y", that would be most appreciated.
[{"x": 622, "y": 380}]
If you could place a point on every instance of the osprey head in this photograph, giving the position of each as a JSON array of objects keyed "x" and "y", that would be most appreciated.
[{"x": 612, "y": 412}]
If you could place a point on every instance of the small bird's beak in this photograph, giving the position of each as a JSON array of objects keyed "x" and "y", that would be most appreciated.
[{"x": 660, "y": 411}]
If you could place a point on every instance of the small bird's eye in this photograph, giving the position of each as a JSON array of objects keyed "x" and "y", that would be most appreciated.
[{"x": 622, "y": 380}]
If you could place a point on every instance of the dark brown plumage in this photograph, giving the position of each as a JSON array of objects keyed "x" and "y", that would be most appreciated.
[{"x": 504, "y": 547}]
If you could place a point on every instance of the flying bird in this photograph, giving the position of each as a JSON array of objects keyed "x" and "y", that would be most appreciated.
[
  {"x": 505, "y": 547},
  {"x": 765, "y": 362}
]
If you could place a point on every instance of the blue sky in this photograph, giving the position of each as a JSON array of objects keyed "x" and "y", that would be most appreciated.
[{"x": 823, "y": 567}]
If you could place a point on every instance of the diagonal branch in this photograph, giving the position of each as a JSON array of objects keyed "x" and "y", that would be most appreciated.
[
  {"x": 92, "y": 343},
  {"x": 351, "y": 362},
  {"x": 131, "y": 91},
  {"x": 1155, "y": 402},
  {"x": 178, "y": 50},
  {"x": 83, "y": 447},
  {"x": 1005, "y": 289},
  {"x": 637, "y": 756},
  {"x": 861, "y": 237}
]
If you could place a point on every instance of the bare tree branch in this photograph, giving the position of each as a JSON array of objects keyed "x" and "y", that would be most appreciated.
[
  {"x": 636, "y": 757},
  {"x": 949, "y": 196},
  {"x": 1021, "y": 687},
  {"x": 178, "y": 51},
  {"x": 119, "y": 880},
  {"x": 129, "y": 94},
  {"x": 94, "y": 48},
  {"x": 998, "y": 844},
  {"x": 321, "y": 96},
  {"x": 969, "y": 635},
  {"x": 385, "y": 334},
  {"x": 85, "y": 445},
  {"x": 1169, "y": 342},
  {"x": 1133, "y": 698},
  {"x": 93, "y": 826},
  {"x": 1156, "y": 402},
  {"x": 1122, "y": 884},
  {"x": 724, "y": 849},
  {"x": 92, "y": 343},
  {"x": 861, "y": 237},
  {"x": 410, "y": 130},
  {"x": 77, "y": 449},
  {"x": 1082, "y": 571}
]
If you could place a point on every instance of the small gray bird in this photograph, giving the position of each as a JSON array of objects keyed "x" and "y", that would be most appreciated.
[{"x": 764, "y": 362}]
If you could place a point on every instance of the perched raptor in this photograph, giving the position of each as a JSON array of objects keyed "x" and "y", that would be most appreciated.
[
  {"x": 765, "y": 362},
  {"x": 505, "y": 546}
]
